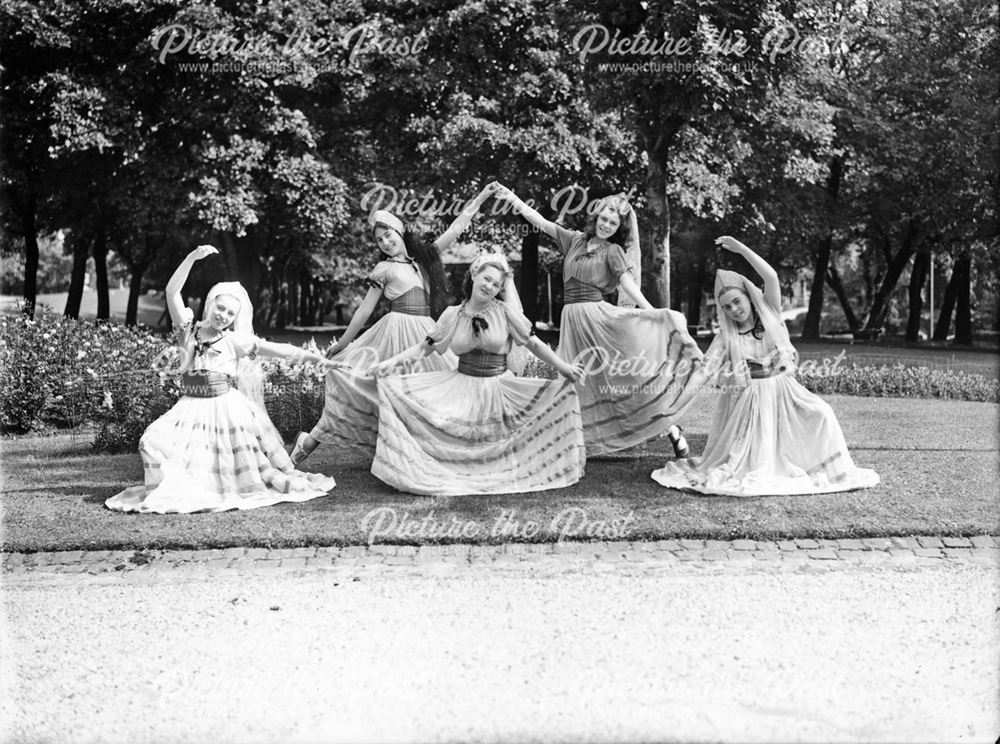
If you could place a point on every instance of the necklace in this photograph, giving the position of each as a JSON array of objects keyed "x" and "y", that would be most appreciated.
[{"x": 201, "y": 347}]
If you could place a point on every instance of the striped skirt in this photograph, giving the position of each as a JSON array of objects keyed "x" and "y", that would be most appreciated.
[
  {"x": 447, "y": 433},
  {"x": 773, "y": 438},
  {"x": 215, "y": 454},
  {"x": 637, "y": 363},
  {"x": 350, "y": 411}
]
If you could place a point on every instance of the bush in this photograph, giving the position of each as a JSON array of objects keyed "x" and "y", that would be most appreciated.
[
  {"x": 60, "y": 372},
  {"x": 899, "y": 381}
]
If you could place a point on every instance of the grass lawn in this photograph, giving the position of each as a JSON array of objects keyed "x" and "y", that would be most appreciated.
[{"x": 937, "y": 459}]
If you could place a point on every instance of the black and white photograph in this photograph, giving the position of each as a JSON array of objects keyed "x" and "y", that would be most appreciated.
[{"x": 499, "y": 371}]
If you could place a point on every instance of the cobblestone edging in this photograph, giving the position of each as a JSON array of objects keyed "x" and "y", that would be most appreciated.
[{"x": 783, "y": 554}]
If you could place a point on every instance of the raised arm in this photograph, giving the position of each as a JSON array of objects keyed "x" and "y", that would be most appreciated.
[
  {"x": 358, "y": 321},
  {"x": 462, "y": 222},
  {"x": 532, "y": 216},
  {"x": 772, "y": 289},
  {"x": 414, "y": 352},
  {"x": 175, "y": 303}
]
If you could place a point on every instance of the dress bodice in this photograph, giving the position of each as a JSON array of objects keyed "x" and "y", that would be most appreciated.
[
  {"x": 221, "y": 354},
  {"x": 395, "y": 278},
  {"x": 599, "y": 266},
  {"x": 455, "y": 329}
]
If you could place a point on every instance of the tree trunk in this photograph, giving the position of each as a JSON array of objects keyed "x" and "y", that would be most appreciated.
[
  {"x": 694, "y": 290},
  {"x": 833, "y": 279},
  {"x": 101, "y": 275},
  {"x": 134, "y": 291},
  {"x": 529, "y": 274},
  {"x": 77, "y": 278},
  {"x": 30, "y": 261},
  {"x": 963, "y": 304},
  {"x": 658, "y": 137},
  {"x": 304, "y": 297},
  {"x": 810, "y": 329},
  {"x": 918, "y": 275},
  {"x": 894, "y": 269},
  {"x": 943, "y": 325}
]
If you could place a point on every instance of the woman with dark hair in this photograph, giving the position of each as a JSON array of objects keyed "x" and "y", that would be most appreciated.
[
  {"x": 411, "y": 276},
  {"x": 770, "y": 436},
  {"x": 479, "y": 429},
  {"x": 635, "y": 361}
]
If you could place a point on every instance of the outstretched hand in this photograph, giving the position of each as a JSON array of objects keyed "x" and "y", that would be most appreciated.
[
  {"x": 573, "y": 372},
  {"x": 500, "y": 191},
  {"x": 204, "y": 251}
]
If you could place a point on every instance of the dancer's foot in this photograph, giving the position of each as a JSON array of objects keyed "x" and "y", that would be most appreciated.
[
  {"x": 304, "y": 445},
  {"x": 676, "y": 437}
]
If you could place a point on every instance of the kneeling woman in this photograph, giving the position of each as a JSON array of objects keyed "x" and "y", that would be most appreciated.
[
  {"x": 479, "y": 429},
  {"x": 216, "y": 449},
  {"x": 770, "y": 435}
]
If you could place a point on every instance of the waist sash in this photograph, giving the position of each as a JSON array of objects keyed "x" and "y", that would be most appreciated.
[
  {"x": 412, "y": 302},
  {"x": 205, "y": 384},
  {"x": 479, "y": 363},
  {"x": 576, "y": 291},
  {"x": 760, "y": 372}
]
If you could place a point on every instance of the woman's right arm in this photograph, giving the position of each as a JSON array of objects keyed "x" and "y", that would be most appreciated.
[
  {"x": 531, "y": 215},
  {"x": 387, "y": 366},
  {"x": 358, "y": 321},
  {"x": 175, "y": 303}
]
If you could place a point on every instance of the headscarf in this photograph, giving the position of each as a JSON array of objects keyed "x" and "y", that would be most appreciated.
[
  {"x": 386, "y": 219},
  {"x": 517, "y": 357},
  {"x": 774, "y": 328},
  {"x": 249, "y": 377}
]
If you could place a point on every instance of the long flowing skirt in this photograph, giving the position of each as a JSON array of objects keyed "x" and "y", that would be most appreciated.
[
  {"x": 447, "y": 433},
  {"x": 773, "y": 438},
  {"x": 215, "y": 454},
  {"x": 350, "y": 411},
  {"x": 637, "y": 363}
]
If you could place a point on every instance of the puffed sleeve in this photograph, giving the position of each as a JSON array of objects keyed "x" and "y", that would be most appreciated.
[
  {"x": 440, "y": 336},
  {"x": 378, "y": 277},
  {"x": 564, "y": 238},
  {"x": 182, "y": 331},
  {"x": 617, "y": 263},
  {"x": 518, "y": 326},
  {"x": 245, "y": 344}
]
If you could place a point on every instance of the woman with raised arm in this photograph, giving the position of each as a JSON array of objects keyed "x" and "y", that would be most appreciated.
[
  {"x": 479, "y": 429},
  {"x": 770, "y": 436},
  {"x": 216, "y": 449},
  {"x": 411, "y": 276},
  {"x": 635, "y": 361}
]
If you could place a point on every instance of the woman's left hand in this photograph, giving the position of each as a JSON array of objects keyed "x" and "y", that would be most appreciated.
[{"x": 729, "y": 243}]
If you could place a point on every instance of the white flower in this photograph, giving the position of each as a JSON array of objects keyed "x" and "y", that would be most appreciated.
[
  {"x": 108, "y": 402},
  {"x": 81, "y": 354}
]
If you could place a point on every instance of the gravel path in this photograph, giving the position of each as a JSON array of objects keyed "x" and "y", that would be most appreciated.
[{"x": 557, "y": 650}]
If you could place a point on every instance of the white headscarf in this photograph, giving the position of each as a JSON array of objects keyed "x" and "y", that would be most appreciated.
[
  {"x": 774, "y": 328},
  {"x": 517, "y": 357},
  {"x": 249, "y": 377}
]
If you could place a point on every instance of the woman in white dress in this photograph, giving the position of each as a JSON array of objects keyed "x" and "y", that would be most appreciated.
[
  {"x": 411, "y": 277},
  {"x": 216, "y": 449},
  {"x": 636, "y": 360},
  {"x": 479, "y": 429},
  {"x": 770, "y": 436}
]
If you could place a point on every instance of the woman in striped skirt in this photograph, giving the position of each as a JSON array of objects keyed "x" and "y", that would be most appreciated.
[
  {"x": 479, "y": 429},
  {"x": 636, "y": 361},
  {"x": 216, "y": 449},
  {"x": 770, "y": 436},
  {"x": 411, "y": 277}
]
